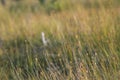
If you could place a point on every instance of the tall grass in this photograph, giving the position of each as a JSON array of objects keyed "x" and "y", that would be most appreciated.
[{"x": 83, "y": 43}]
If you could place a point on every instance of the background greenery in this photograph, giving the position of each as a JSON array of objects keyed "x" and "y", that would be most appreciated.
[{"x": 84, "y": 40}]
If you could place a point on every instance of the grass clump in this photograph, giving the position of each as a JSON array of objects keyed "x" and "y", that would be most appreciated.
[{"x": 81, "y": 44}]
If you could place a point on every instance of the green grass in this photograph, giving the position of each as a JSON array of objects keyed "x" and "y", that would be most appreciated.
[{"x": 84, "y": 41}]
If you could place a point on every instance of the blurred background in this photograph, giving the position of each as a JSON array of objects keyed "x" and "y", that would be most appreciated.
[{"x": 55, "y": 5}]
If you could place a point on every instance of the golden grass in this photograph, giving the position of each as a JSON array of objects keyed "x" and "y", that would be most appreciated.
[{"x": 84, "y": 44}]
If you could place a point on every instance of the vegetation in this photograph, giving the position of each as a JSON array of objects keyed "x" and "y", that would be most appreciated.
[{"x": 82, "y": 36}]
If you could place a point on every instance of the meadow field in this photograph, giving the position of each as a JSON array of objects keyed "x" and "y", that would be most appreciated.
[{"x": 60, "y": 40}]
